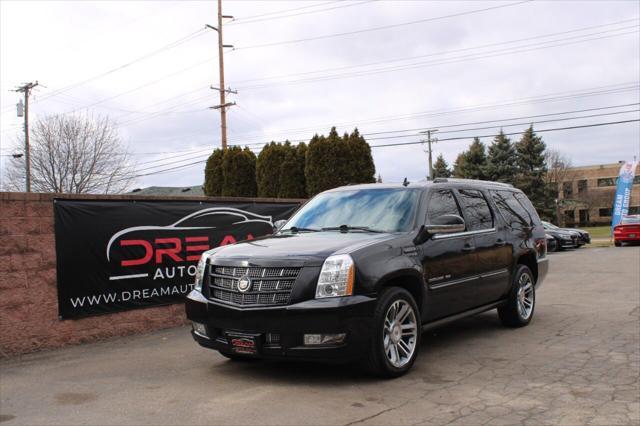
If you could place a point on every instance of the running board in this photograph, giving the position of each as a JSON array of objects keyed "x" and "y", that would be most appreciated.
[{"x": 452, "y": 318}]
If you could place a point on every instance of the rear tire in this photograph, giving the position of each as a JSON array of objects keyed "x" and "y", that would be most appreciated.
[
  {"x": 617, "y": 243},
  {"x": 396, "y": 334},
  {"x": 521, "y": 303}
]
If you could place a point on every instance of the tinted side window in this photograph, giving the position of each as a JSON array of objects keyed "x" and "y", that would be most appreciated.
[
  {"x": 476, "y": 210},
  {"x": 533, "y": 214},
  {"x": 514, "y": 214},
  {"x": 441, "y": 202}
]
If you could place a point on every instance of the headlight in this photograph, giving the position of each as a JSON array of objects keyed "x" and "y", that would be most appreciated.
[
  {"x": 336, "y": 277},
  {"x": 202, "y": 264}
]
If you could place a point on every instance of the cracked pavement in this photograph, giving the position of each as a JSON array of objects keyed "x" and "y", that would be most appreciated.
[{"x": 578, "y": 362}]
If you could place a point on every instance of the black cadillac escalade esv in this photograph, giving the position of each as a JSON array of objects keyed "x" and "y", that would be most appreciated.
[{"x": 360, "y": 271}]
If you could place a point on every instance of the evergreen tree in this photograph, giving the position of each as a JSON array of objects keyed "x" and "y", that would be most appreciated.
[
  {"x": 475, "y": 161},
  {"x": 363, "y": 169},
  {"x": 379, "y": 180},
  {"x": 239, "y": 172},
  {"x": 213, "y": 181},
  {"x": 458, "y": 166},
  {"x": 441, "y": 168},
  {"x": 327, "y": 163},
  {"x": 291, "y": 181},
  {"x": 530, "y": 177},
  {"x": 268, "y": 167},
  {"x": 502, "y": 159}
]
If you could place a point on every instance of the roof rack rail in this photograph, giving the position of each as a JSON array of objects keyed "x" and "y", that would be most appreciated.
[{"x": 440, "y": 180}]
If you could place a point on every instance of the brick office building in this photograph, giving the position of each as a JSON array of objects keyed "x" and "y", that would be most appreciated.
[{"x": 586, "y": 195}]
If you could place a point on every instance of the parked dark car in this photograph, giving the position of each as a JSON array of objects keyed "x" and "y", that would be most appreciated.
[
  {"x": 552, "y": 244},
  {"x": 567, "y": 237},
  {"x": 359, "y": 272},
  {"x": 627, "y": 231}
]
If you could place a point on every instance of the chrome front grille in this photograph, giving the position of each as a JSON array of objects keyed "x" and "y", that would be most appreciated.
[
  {"x": 256, "y": 272},
  {"x": 269, "y": 286}
]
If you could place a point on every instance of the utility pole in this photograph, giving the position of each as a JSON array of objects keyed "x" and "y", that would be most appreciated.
[
  {"x": 26, "y": 89},
  {"x": 223, "y": 101},
  {"x": 429, "y": 141}
]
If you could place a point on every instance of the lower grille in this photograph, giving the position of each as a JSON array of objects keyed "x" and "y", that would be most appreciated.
[{"x": 267, "y": 286}]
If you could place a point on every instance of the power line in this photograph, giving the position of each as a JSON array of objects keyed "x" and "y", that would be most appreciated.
[
  {"x": 193, "y": 155},
  {"x": 464, "y": 58},
  {"x": 611, "y": 123},
  {"x": 171, "y": 45},
  {"x": 465, "y": 49},
  {"x": 515, "y": 124},
  {"x": 383, "y": 27},
  {"x": 509, "y": 119},
  {"x": 545, "y": 98},
  {"x": 278, "y": 12},
  {"x": 283, "y": 16},
  {"x": 184, "y": 166},
  {"x": 549, "y": 97},
  {"x": 142, "y": 86}
]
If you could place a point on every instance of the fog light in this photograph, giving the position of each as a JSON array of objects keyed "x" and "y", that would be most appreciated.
[
  {"x": 200, "y": 329},
  {"x": 323, "y": 339}
]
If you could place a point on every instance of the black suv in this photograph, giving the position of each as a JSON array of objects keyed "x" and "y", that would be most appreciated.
[{"x": 360, "y": 271}]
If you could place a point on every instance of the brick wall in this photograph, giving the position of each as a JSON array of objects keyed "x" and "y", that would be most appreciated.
[{"x": 28, "y": 294}]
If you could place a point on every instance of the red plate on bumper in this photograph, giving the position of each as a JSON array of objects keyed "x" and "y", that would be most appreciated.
[{"x": 245, "y": 344}]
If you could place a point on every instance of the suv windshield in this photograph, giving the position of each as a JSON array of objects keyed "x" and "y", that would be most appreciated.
[{"x": 384, "y": 209}]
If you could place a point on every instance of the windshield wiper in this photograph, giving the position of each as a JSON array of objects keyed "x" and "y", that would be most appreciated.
[
  {"x": 295, "y": 230},
  {"x": 347, "y": 228}
]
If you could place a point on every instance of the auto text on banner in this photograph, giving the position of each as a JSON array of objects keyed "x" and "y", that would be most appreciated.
[{"x": 623, "y": 191}]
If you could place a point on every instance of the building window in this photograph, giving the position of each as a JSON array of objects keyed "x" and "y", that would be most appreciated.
[
  {"x": 582, "y": 185},
  {"x": 607, "y": 182},
  {"x": 584, "y": 216},
  {"x": 604, "y": 212},
  {"x": 636, "y": 180},
  {"x": 634, "y": 210},
  {"x": 569, "y": 215},
  {"x": 567, "y": 189}
]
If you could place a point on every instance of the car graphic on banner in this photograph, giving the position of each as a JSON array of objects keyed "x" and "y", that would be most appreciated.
[{"x": 183, "y": 240}]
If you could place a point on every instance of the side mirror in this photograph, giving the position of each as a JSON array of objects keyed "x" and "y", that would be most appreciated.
[
  {"x": 278, "y": 224},
  {"x": 445, "y": 224}
]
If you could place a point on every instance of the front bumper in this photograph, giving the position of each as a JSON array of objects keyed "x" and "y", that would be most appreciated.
[{"x": 351, "y": 315}]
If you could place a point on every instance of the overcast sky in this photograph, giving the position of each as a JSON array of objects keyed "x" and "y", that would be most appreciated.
[{"x": 435, "y": 64}]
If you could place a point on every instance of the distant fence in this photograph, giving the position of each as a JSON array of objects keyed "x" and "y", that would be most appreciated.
[{"x": 29, "y": 297}]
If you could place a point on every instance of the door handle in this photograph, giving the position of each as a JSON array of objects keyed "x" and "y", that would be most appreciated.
[
  {"x": 500, "y": 242},
  {"x": 468, "y": 248}
]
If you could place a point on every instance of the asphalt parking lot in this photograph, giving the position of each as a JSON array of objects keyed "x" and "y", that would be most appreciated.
[{"x": 577, "y": 363}]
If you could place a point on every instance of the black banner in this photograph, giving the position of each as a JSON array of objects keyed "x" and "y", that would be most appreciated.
[{"x": 119, "y": 255}]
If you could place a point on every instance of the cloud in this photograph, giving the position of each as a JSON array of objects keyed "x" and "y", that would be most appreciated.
[{"x": 69, "y": 42}]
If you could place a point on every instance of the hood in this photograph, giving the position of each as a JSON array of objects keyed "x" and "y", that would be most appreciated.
[{"x": 305, "y": 248}]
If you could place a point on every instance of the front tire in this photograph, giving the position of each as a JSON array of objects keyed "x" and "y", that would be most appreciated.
[
  {"x": 521, "y": 303},
  {"x": 396, "y": 334}
]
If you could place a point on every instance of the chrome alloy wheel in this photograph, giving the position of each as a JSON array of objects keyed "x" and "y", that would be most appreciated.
[
  {"x": 525, "y": 296},
  {"x": 400, "y": 333}
]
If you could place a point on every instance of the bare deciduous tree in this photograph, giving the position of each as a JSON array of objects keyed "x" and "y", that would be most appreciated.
[
  {"x": 74, "y": 154},
  {"x": 558, "y": 167}
]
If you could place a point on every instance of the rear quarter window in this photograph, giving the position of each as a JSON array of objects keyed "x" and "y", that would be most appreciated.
[
  {"x": 524, "y": 201},
  {"x": 476, "y": 210},
  {"x": 513, "y": 212}
]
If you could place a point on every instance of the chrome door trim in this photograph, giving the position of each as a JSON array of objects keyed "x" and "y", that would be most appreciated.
[
  {"x": 464, "y": 234},
  {"x": 453, "y": 282},
  {"x": 494, "y": 273}
]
